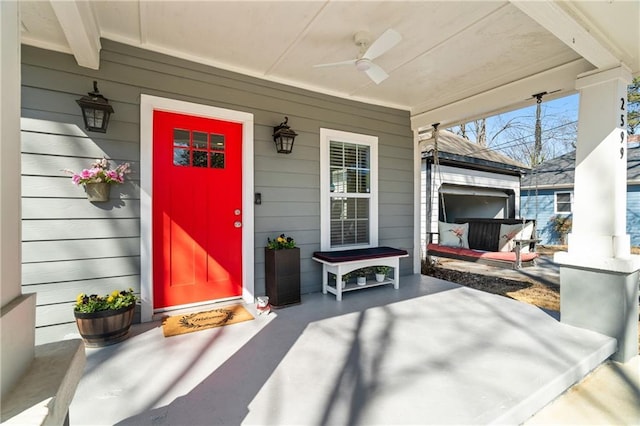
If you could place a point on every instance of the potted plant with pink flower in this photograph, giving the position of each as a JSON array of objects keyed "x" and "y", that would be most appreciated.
[{"x": 97, "y": 179}]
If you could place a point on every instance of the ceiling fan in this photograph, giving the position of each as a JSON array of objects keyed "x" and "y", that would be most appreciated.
[{"x": 364, "y": 61}]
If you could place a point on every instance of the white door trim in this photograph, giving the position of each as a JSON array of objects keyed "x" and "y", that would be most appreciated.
[{"x": 147, "y": 105}]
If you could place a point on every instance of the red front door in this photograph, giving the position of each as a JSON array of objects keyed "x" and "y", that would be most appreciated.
[{"x": 197, "y": 209}]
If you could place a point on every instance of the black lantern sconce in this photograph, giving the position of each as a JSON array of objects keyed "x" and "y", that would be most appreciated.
[
  {"x": 95, "y": 110},
  {"x": 283, "y": 137}
]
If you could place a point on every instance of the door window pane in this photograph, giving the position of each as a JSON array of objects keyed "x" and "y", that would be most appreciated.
[
  {"x": 200, "y": 140},
  {"x": 199, "y": 159},
  {"x": 181, "y": 157},
  {"x": 217, "y": 160},
  {"x": 180, "y": 137},
  {"x": 217, "y": 142}
]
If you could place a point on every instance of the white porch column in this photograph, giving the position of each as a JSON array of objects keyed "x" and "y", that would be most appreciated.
[
  {"x": 598, "y": 276},
  {"x": 38, "y": 383},
  {"x": 18, "y": 312}
]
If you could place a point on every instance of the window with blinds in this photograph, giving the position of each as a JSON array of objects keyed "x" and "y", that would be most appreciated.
[
  {"x": 348, "y": 191},
  {"x": 350, "y": 171}
]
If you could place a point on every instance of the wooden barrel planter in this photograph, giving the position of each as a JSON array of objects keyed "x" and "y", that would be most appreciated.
[{"x": 104, "y": 328}]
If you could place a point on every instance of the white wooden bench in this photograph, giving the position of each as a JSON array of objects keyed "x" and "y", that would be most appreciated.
[{"x": 344, "y": 261}]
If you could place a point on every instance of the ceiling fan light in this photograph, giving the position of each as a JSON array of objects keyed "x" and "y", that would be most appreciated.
[{"x": 363, "y": 65}]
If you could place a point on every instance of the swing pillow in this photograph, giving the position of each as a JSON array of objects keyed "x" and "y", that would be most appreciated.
[
  {"x": 509, "y": 233},
  {"x": 453, "y": 234}
]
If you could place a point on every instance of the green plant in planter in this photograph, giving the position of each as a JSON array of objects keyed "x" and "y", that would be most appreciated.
[
  {"x": 382, "y": 269},
  {"x": 115, "y": 300},
  {"x": 281, "y": 242}
]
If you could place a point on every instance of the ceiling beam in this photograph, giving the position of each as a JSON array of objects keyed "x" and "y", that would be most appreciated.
[
  {"x": 81, "y": 30},
  {"x": 558, "y": 82},
  {"x": 557, "y": 21}
]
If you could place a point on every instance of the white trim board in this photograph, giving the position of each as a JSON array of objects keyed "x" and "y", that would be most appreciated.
[{"x": 148, "y": 104}]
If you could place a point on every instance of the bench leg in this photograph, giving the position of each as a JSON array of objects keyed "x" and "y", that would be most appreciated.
[
  {"x": 396, "y": 274},
  {"x": 325, "y": 279},
  {"x": 339, "y": 284}
]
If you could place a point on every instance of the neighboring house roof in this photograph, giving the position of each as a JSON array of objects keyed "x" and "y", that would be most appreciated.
[
  {"x": 456, "y": 149},
  {"x": 560, "y": 171}
]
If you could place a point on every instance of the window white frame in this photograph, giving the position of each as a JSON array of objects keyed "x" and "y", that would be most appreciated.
[
  {"x": 326, "y": 137},
  {"x": 555, "y": 202}
]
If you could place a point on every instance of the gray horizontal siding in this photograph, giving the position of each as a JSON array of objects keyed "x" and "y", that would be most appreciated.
[
  {"x": 77, "y": 229},
  {"x": 78, "y": 208},
  {"x": 60, "y": 226},
  {"x": 67, "y": 291},
  {"x": 81, "y": 269},
  {"x": 48, "y": 251}
]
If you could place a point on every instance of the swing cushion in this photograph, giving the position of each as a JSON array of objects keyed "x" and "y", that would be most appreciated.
[
  {"x": 509, "y": 233},
  {"x": 453, "y": 234},
  {"x": 471, "y": 255}
]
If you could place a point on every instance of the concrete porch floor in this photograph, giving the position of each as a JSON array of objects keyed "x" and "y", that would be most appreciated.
[{"x": 430, "y": 353}]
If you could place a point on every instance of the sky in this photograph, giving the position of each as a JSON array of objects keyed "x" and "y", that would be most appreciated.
[{"x": 563, "y": 109}]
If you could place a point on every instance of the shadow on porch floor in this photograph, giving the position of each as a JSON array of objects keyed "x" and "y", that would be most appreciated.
[{"x": 430, "y": 353}]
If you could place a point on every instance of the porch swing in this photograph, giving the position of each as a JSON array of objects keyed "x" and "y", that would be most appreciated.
[{"x": 506, "y": 243}]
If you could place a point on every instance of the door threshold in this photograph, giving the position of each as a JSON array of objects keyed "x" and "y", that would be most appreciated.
[{"x": 160, "y": 313}]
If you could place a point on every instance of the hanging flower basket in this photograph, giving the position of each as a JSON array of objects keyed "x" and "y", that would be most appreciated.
[
  {"x": 98, "y": 179},
  {"x": 98, "y": 192}
]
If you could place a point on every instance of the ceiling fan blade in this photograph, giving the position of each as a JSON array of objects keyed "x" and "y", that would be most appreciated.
[
  {"x": 336, "y": 64},
  {"x": 376, "y": 73},
  {"x": 386, "y": 41}
]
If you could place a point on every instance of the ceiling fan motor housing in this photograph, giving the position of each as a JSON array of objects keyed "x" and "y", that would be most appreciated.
[{"x": 363, "y": 64}]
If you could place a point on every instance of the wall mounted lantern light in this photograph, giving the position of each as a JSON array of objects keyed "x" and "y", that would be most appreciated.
[
  {"x": 95, "y": 110},
  {"x": 283, "y": 137}
]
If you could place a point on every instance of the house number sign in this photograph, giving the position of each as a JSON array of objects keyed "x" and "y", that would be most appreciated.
[{"x": 623, "y": 124}]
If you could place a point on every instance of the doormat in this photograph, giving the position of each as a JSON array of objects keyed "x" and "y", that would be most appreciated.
[{"x": 188, "y": 323}]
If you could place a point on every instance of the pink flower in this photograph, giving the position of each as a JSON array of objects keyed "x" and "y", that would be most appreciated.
[{"x": 99, "y": 172}]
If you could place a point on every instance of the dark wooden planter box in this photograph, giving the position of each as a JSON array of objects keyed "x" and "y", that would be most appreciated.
[{"x": 282, "y": 276}]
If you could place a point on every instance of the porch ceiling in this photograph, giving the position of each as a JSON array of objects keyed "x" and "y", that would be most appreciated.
[{"x": 456, "y": 60}]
